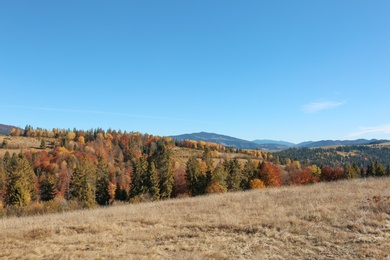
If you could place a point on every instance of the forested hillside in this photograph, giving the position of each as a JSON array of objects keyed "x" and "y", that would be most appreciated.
[
  {"x": 362, "y": 155},
  {"x": 56, "y": 170}
]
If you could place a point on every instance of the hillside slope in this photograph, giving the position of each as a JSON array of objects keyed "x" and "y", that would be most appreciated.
[
  {"x": 219, "y": 139},
  {"x": 324, "y": 143},
  {"x": 6, "y": 129},
  {"x": 343, "y": 220}
]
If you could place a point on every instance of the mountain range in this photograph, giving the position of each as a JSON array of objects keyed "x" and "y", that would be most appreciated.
[
  {"x": 263, "y": 144},
  {"x": 6, "y": 129},
  {"x": 268, "y": 144}
]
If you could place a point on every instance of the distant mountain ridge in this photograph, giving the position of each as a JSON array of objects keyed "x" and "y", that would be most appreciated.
[
  {"x": 224, "y": 140},
  {"x": 6, "y": 129},
  {"x": 265, "y": 144},
  {"x": 266, "y": 141},
  {"x": 322, "y": 143}
]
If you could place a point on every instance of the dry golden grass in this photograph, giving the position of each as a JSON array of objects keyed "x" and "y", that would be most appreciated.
[
  {"x": 15, "y": 144},
  {"x": 344, "y": 220}
]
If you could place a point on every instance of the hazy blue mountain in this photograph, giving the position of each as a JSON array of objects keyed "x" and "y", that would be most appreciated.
[
  {"x": 266, "y": 141},
  {"x": 339, "y": 142},
  {"x": 6, "y": 129},
  {"x": 229, "y": 141},
  {"x": 219, "y": 139}
]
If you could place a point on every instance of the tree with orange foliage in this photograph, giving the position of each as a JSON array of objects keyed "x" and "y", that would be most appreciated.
[
  {"x": 256, "y": 184},
  {"x": 301, "y": 176},
  {"x": 218, "y": 181},
  {"x": 270, "y": 174},
  {"x": 331, "y": 174}
]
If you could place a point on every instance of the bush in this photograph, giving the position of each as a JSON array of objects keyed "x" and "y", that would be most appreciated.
[{"x": 256, "y": 184}]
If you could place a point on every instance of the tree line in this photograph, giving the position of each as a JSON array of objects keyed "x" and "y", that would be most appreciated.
[{"x": 97, "y": 167}]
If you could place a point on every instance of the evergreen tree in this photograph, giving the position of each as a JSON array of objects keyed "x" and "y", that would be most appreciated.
[
  {"x": 47, "y": 189},
  {"x": 139, "y": 178},
  {"x": 164, "y": 166},
  {"x": 249, "y": 173},
  {"x": 379, "y": 170},
  {"x": 102, "y": 195},
  {"x": 350, "y": 172},
  {"x": 43, "y": 144},
  {"x": 195, "y": 179},
  {"x": 82, "y": 184},
  {"x": 19, "y": 182},
  {"x": 234, "y": 176},
  {"x": 6, "y": 158},
  {"x": 218, "y": 181},
  {"x": 121, "y": 194},
  {"x": 154, "y": 189},
  {"x": 2, "y": 178},
  {"x": 370, "y": 172},
  {"x": 208, "y": 159},
  {"x": 388, "y": 170}
]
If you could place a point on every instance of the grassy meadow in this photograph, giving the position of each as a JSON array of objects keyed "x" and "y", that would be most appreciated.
[{"x": 340, "y": 220}]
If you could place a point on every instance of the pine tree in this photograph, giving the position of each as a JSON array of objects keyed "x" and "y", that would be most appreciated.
[
  {"x": 120, "y": 194},
  {"x": 139, "y": 178},
  {"x": 195, "y": 179},
  {"x": 208, "y": 159},
  {"x": 82, "y": 188},
  {"x": 19, "y": 182},
  {"x": 350, "y": 172},
  {"x": 164, "y": 166},
  {"x": 379, "y": 170},
  {"x": 218, "y": 181},
  {"x": 388, "y": 170},
  {"x": 102, "y": 195},
  {"x": 47, "y": 189},
  {"x": 370, "y": 172},
  {"x": 2, "y": 178},
  {"x": 234, "y": 176},
  {"x": 249, "y": 173},
  {"x": 43, "y": 144},
  {"x": 154, "y": 189}
]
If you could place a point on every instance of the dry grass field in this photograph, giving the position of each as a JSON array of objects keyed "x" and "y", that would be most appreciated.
[
  {"x": 343, "y": 220},
  {"x": 15, "y": 144}
]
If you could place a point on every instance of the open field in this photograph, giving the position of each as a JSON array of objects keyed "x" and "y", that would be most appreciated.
[
  {"x": 15, "y": 144},
  {"x": 344, "y": 220}
]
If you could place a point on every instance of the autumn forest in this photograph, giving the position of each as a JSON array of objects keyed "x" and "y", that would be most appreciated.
[{"x": 73, "y": 169}]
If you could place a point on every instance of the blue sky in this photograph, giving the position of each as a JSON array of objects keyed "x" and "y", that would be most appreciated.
[{"x": 283, "y": 70}]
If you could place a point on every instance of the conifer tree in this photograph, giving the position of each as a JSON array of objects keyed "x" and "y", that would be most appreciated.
[
  {"x": 207, "y": 158},
  {"x": 218, "y": 181},
  {"x": 154, "y": 189},
  {"x": 350, "y": 172},
  {"x": 102, "y": 195},
  {"x": 388, "y": 170},
  {"x": 195, "y": 179},
  {"x": 248, "y": 173},
  {"x": 47, "y": 189},
  {"x": 234, "y": 176},
  {"x": 121, "y": 194},
  {"x": 82, "y": 188},
  {"x": 19, "y": 182},
  {"x": 370, "y": 172},
  {"x": 2, "y": 178},
  {"x": 139, "y": 178},
  {"x": 379, "y": 170},
  {"x": 164, "y": 166},
  {"x": 43, "y": 144}
]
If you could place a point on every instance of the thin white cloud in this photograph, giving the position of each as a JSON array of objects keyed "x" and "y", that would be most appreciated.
[
  {"x": 381, "y": 129},
  {"x": 315, "y": 107},
  {"x": 104, "y": 113}
]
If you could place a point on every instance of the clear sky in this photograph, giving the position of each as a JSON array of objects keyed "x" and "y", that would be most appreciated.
[{"x": 282, "y": 70}]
